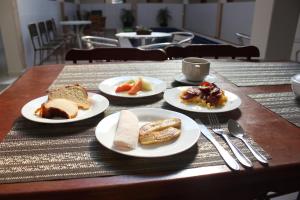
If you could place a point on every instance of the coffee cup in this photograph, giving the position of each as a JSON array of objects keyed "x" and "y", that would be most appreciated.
[{"x": 195, "y": 69}]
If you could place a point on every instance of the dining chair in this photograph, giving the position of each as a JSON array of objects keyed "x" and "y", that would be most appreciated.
[
  {"x": 212, "y": 50},
  {"x": 97, "y": 41},
  {"x": 178, "y": 39},
  {"x": 52, "y": 34},
  {"x": 115, "y": 54},
  {"x": 38, "y": 45}
]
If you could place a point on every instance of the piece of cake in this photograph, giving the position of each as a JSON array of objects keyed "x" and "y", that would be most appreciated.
[
  {"x": 75, "y": 93},
  {"x": 58, "y": 108}
]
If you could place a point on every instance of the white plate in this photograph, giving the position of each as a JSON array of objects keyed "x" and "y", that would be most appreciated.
[
  {"x": 109, "y": 86},
  {"x": 181, "y": 78},
  {"x": 172, "y": 97},
  {"x": 98, "y": 104},
  {"x": 190, "y": 132}
]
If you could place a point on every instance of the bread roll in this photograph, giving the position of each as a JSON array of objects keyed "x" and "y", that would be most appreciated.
[{"x": 127, "y": 133}]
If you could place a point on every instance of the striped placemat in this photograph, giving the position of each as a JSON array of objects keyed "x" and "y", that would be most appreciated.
[
  {"x": 257, "y": 73},
  {"x": 239, "y": 73},
  {"x": 284, "y": 104},
  {"x": 36, "y": 152}
]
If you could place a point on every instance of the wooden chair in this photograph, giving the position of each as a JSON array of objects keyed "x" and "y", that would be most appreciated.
[
  {"x": 117, "y": 54},
  {"x": 211, "y": 50}
]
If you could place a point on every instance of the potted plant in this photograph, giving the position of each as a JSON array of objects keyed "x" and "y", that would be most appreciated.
[
  {"x": 163, "y": 17},
  {"x": 127, "y": 18}
]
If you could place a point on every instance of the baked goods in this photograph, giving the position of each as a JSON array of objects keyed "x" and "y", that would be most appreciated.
[
  {"x": 160, "y": 131},
  {"x": 206, "y": 94},
  {"x": 126, "y": 136},
  {"x": 75, "y": 93},
  {"x": 58, "y": 108}
]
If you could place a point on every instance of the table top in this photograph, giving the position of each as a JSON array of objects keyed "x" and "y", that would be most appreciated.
[
  {"x": 75, "y": 22},
  {"x": 134, "y": 35},
  {"x": 279, "y": 138}
]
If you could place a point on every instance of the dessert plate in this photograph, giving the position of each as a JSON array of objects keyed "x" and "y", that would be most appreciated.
[
  {"x": 181, "y": 79},
  {"x": 190, "y": 132},
  {"x": 109, "y": 86},
  {"x": 171, "y": 96},
  {"x": 98, "y": 104}
]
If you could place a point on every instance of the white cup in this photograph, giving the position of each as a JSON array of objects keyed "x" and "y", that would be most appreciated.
[
  {"x": 295, "y": 83},
  {"x": 195, "y": 69}
]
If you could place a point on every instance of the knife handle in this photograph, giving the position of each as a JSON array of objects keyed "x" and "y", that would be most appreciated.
[{"x": 226, "y": 156}]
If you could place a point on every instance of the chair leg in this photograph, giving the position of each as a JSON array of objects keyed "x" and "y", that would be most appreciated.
[
  {"x": 41, "y": 57},
  {"x": 34, "y": 58}
]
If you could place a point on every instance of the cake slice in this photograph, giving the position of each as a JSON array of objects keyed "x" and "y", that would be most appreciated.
[
  {"x": 75, "y": 93},
  {"x": 58, "y": 108}
]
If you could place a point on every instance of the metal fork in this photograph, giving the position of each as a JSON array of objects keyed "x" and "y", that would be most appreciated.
[{"x": 216, "y": 127}]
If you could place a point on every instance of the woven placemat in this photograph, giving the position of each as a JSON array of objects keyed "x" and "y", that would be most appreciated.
[
  {"x": 257, "y": 73},
  {"x": 91, "y": 75},
  {"x": 239, "y": 73},
  {"x": 36, "y": 152},
  {"x": 284, "y": 104}
]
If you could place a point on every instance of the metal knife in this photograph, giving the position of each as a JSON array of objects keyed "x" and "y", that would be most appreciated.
[{"x": 230, "y": 161}]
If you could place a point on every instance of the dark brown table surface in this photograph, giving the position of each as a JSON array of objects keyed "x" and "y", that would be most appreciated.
[{"x": 275, "y": 135}]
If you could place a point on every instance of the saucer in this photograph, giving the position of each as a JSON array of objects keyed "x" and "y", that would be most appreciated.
[{"x": 181, "y": 78}]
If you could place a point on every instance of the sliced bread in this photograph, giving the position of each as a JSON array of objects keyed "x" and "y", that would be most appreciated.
[
  {"x": 75, "y": 93},
  {"x": 58, "y": 108}
]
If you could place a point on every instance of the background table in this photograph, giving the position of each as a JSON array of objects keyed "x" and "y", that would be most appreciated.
[
  {"x": 76, "y": 24},
  {"x": 277, "y": 136},
  {"x": 142, "y": 38}
]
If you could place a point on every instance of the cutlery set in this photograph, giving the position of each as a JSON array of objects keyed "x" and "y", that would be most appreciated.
[{"x": 235, "y": 130}]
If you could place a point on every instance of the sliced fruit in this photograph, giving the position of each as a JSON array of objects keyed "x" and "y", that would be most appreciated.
[
  {"x": 124, "y": 87},
  {"x": 146, "y": 86},
  {"x": 136, "y": 87}
]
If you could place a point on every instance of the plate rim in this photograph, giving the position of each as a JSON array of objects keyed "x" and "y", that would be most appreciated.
[
  {"x": 156, "y": 156},
  {"x": 193, "y": 83},
  {"x": 133, "y": 96},
  {"x": 203, "y": 111},
  {"x": 51, "y": 121}
]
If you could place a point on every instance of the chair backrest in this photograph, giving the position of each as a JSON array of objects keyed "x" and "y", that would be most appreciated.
[
  {"x": 43, "y": 33},
  {"x": 50, "y": 29},
  {"x": 115, "y": 54},
  {"x": 97, "y": 41},
  {"x": 178, "y": 39},
  {"x": 34, "y": 36},
  {"x": 211, "y": 50}
]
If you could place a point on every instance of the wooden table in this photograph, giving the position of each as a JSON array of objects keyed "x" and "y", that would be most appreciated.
[{"x": 277, "y": 136}]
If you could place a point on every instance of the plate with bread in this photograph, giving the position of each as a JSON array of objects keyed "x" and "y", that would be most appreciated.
[
  {"x": 147, "y": 132},
  {"x": 65, "y": 104},
  {"x": 132, "y": 86}
]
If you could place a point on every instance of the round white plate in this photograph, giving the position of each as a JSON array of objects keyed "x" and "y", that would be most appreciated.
[
  {"x": 109, "y": 86},
  {"x": 190, "y": 132},
  {"x": 172, "y": 97},
  {"x": 98, "y": 104},
  {"x": 181, "y": 78}
]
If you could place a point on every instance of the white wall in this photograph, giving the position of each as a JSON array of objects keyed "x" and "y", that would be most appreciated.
[
  {"x": 110, "y": 11},
  {"x": 147, "y": 12},
  {"x": 296, "y": 46},
  {"x": 237, "y": 17},
  {"x": 70, "y": 10},
  {"x": 202, "y": 18},
  {"x": 33, "y": 11}
]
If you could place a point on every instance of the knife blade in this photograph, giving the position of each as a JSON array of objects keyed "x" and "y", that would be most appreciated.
[{"x": 229, "y": 160}]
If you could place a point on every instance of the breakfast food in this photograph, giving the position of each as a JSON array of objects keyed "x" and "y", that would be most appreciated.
[
  {"x": 58, "y": 108},
  {"x": 206, "y": 94},
  {"x": 160, "y": 131},
  {"x": 132, "y": 87},
  {"x": 126, "y": 136},
  {"x": 75, "y": 93}
]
